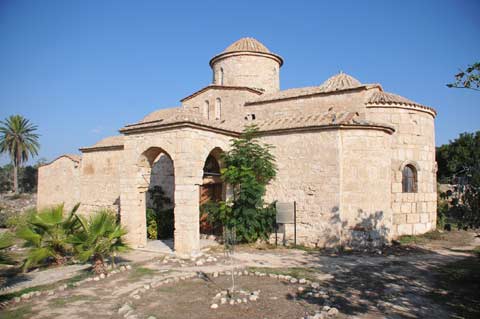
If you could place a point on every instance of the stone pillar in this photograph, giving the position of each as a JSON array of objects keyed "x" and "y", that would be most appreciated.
[{"x": 188, "y": 178}]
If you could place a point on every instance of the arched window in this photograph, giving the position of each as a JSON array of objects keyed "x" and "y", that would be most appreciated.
[
  {"x": 218, "y": 108},
  {"x": 206, "y": 109},
  {"x": 409, "y": 179},
  {"x": 221, "y": 77}
]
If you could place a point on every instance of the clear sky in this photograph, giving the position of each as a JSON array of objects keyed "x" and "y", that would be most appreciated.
[{"x": 80, "y": 70}]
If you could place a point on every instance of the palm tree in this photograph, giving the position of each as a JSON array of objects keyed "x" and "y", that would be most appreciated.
[
  {"x": 6, "y": 241},
  {"x": 46, "y": 234},
  {"x": 98, "y": 238},
  {"x": 19, "y": 140}
]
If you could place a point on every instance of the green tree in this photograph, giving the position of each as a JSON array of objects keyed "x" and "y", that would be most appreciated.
[
  {"x": 6, "y": 241},
  {"x": 98, "y": 238},
  {"x": 249, "y": 167},
  {"x": 19, "y": 140},
  {"x": 459, "y": 165},
  {"x": 468, "y": 78}
]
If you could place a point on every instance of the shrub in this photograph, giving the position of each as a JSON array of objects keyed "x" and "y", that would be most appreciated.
[
  {"x": 249, "y": 167},
  {"x": 98, "y": 237},
  {"x": 160, "y": 224},
  {"x": 6, "y": 241},
  {"x": 46, "y": 234}
]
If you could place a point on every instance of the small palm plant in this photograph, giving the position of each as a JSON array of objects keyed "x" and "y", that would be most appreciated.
[
  {"x": 6, "y": 242},
  {"x": 99, "y": 237},
  {"x": 47, "y": 233}
]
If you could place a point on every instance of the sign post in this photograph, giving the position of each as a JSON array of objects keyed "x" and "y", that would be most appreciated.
[{"x": 286, "y": 214}]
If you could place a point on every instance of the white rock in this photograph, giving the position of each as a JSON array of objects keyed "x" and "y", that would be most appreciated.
[
  {"x": 333, "y": 312},
  {"x": 146, "y": 287},
  {"x": 253, "y": 298},
  {"x": 17, "y": 299},
  {"x": 301, "y": 289},
  {"x": 223, "y": 300},
  {"x": 315, "y": 285},
  {"x": 302, "y": 281},
  {"x": 102, "y": 276},
  {"x": 293, "y": 280},
  {"x": 239, "y": 300},
  {"x": 215, "y": 274},
  {"x": 214, "y": 306},
  {"x": 232, "y": 302},
  {"x": 137, "y": 297},
  {"x": 244, "y": 300},
  {"x": 124, "y": 309}
]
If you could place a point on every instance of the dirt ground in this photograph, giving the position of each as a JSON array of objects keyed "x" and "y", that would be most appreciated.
[{"x": 432, "y": 276}]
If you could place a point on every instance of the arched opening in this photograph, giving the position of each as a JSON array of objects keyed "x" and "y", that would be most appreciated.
[
  {"x": 409, "y": 179},
  {"x": 218, "y": 108},
  {"x": 221, "y": 76},
  {"x": 159, "y": 186},
  {"x": 206, "y": 109},
  {"x": 211, "y": 190}
]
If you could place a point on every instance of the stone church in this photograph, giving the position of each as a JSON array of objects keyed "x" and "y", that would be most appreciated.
[{"x": 358, "y": 161}]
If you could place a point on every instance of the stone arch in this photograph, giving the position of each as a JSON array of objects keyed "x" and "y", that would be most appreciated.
[
  {"x": 409, "y": 162},
  {"x": 211, "y": 189},
  {"x": 409, "y": 179},
  {"x": 157, "y": 179}
]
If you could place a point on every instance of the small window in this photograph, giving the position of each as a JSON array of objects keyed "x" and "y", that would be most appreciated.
[
  {"x": 218, "y": 108},
  {"x": 409, "y": 179},
  {"x": 221, "y": 76},
  {"x": 206, "y": 109}
]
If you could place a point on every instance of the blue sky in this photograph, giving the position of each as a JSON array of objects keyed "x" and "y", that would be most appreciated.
[{"x": 80, "y": 70}]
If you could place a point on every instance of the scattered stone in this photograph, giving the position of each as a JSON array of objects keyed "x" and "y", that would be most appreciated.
[
  {"x": 301, "y": 289},
  {"x": 239, "y": 300},
  {"x": 151, "y": 317},
  {"x": 253, "y": 297},
  {"x": 146, "y": 287},
  {"x": 199, "y": 263},
  {"x": 333, "y": 312},
  {"x": 315, "y": 285},
  {"x": 17, "y": 299},
  {"x": 136, "y": 297},
  {"x": 214, "y": 306},
  {"x": 128, "y": 267},
  {"x": 302, "y": 281},
  {"x": 293, "y": 280},
  {"x": 215, "y": 274},
  {"x": 51, "y": 292},
  {"x": 223, "y": 300},
  {"x": 232, "y": 302},
  {"x": 325, "y": 308},
  {"x": 102, "y": 276},
  {"x": 124, "y": 309},
  {"x": 96, "y": 278}
]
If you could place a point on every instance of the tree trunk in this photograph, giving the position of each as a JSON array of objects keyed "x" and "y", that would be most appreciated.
[
  {"x": 15, "y": 179},
  {"x": 99, "y": 265}
]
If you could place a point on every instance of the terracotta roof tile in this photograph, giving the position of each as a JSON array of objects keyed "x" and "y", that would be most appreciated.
[
  {"x": 247, "y": 44},
  {"x": 381, "y": 98}
]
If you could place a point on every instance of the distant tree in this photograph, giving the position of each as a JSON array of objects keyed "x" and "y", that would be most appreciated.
[
  {"x": 467, "y": 79},
  {"x": 19, "y": 140},
  {"x": 459, "y": 165}
]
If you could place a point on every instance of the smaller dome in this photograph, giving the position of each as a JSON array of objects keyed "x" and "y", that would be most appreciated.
[
  {"x": 247, "y": 44},
  {"x": 341, "y": 81}
]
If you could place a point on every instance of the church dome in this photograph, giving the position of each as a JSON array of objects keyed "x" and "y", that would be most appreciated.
[
  {"x": 341, "y": 81},
  {"x": 247, "y": 45}
]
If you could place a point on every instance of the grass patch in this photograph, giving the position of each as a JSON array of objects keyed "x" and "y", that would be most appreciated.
[
  {"x": 62, "y": 302},
  {"x": 139, "y": 272},
  {"x": 296, "y": 272},
  {"x": 18, "y": 313},
  {"x": 421, "y": 239}
]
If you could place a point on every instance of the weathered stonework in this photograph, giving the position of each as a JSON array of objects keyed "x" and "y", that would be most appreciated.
[{"x": 340, "y": 149}]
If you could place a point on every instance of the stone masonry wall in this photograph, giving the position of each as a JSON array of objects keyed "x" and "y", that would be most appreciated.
[
  {"x": 308, "y": 173},
  {"x": 59, "y": 182},
  {"x": 100, "y": 181},
  {"x": 231, "y": 103},
  {"x": 253, "y": 71},
  {"x": 351, "y": 101},
  {"x": 412, "y": 143},
  {"x": 365, "y": 211}
]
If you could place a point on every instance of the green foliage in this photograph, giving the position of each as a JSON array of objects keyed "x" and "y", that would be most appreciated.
[
  {"x": 6, "y": 241},
  {"x": 17, "y": 220},
  {"x": 249, "y": 167},
  {"x": 468, "y": 78},
  {"x": 98, "y": 237},
  {"x": 27, "y": 178},
  {"x": 19, "y": 140},
  {"x": 459, "y": 165},
  {"x": 46, "y": 234},
  {"x": 160, "y": 218}
]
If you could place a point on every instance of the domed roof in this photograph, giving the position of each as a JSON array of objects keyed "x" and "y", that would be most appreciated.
[
  {"x": 250, "y": 46},
  {"x": 341, "y": 81},
  {"x": 247, "y": 44}
]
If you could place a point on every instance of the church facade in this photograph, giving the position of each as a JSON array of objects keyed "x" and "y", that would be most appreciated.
[{"x": 358, "y": 161}]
